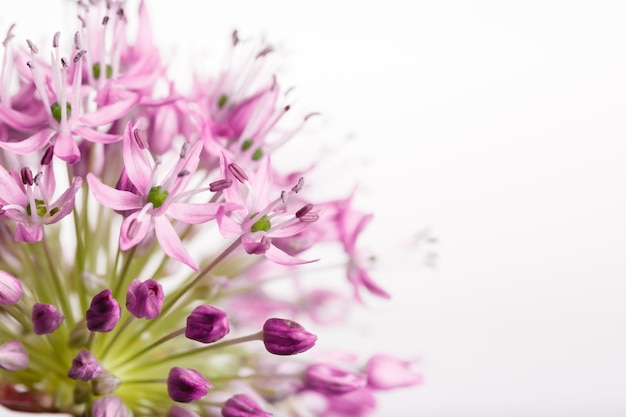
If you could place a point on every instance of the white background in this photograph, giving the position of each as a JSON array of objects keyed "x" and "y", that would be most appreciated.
[{"x": 498, "y": 126}]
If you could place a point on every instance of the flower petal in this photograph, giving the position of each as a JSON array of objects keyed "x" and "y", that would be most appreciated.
[
  {"x": 134, "y": 229},
  {"x": 111, "y": 197},
  {"x": 94, "y": 136},
  {"x": 30, "y": 144},
  {"x": 135, "y": 162},
  {"x": 170, "y": 242},
  {"x": 276, "y": 255},
  {"x": 65, "y": 148},
  {"x": 193, "y": 213}
]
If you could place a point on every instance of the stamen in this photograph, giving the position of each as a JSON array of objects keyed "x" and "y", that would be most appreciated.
[
  {"x": 268, "y": 49},
  {"x": 140, "y": 138},
  {"x": 55, "y": 40},
  {"x": 82, "y": 22},
  {"x": 64, "y": 63},
  {"x": 120, "y": 13},
  {"x": 287, "y": 107},
  {"x": 309, "y": 218},
  {"x": 304, "y": 210},
  {"x": 37, "y": 178},
  {"x": 47, "y": 156},
  {"x": 220, "y": 185},
  {"x": 77, "y": 36},
  {"x": 105, "y": 20},
  {"x": 296, "y": 188},
  {"x": 283, "y": 197},
  {"x": 183, "y": 173},
  {"x": 9, "y": 36},
  {"x": 238, "y": 172},
  {"x": 311, "y": 115},
  {"x": 32, "y": 46},
  {"x": 235, "y": 37},
  {"x": 79, "y": 55},
  {"x": 27, "y": 176},
  {"x": 184, "y": 149},
  {"x": 29, "y": 64}
]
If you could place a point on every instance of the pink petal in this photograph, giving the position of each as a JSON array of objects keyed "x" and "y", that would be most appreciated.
[
  {"x": 65, "y": 148},
  {"x": 110, "y": 112},
  {"x": 94, "y": 136},
  {"x": 290, "y": 230},
  {"x": 30, "y": 144},
  {"x": 65, "y": 202},
  {"x": 276, "y": 255},
  {"x": 134, "y": 229},
  {"x": 228, "y": 227},
  {"x": 111, "y": 197},
  {"x": 197, "y": 213},
  {"x": 136, "y": 164},
  {"x": 21, "y": 121},
  {"x": 28, "y": 232},
  {"x": 170, "y": 242},
  {"x": 11, "y": 191}
]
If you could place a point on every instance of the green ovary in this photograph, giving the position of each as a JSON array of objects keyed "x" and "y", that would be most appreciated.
[
  {"x": 56, "y": 111},
  {"x": 157, "y": 196},
  {"x": 263, "y": 224}
]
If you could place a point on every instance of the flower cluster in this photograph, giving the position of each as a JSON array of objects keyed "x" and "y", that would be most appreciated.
[{"x": 140, "y": 228}]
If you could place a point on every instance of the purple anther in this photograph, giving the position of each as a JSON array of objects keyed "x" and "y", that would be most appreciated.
[
  {"x": 309, "y": 218},
  {"x": 47, "y": 155},
  {"x": 64, "y": 63},
  {"x": 183, "y": 173},
  {"x": 105, "y": 20},
  {"x": 79, "y": 55},
  {"x": 287, "y": 107},
  {"x": 296, "y": 188},
  {"x": 268, "y": 49},
  {"x": 32, "y": 46},
  {"x": 140, "y": 138},
  {"x": 9, "y": 36},
  {"x": 82, "y": 22},
  {"x": 27, "y": 176},
  {"x": 238, "y": 172},
  {"x": 37, "y": 178},
  {"x": 184, "y": 149},
  {"x": 235, "y": 37},
  {"x": 55, "y": 40},
  {"x": 220, "y": 185},
  {"x": 308, "y": 116},
  {"x": 304, "y": 210}
]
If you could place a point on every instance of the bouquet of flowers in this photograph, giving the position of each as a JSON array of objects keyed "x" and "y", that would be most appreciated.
[{"x": 143, "y": 230}]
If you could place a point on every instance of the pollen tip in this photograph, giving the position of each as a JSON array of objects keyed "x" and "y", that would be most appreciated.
[
  {"x": 238, "y": 172},
  {"x": 27, "y": 176},
  {"x": 105, "y": 20},
  {"x": 183, "y": 173},
  {"x": 77, "y": 36},
  {"x": 308, "y": 116},
  {"x": 9, "y": 35},
  {"x": 140, "y": 138},
  {"x": 235, "y": 37},
  {"x": 33, "y": 48},
  {"x": 184, "y": 150},
  {"x": 296, "y": 188},
  {"x": 267, "y": 50},
  {"x": 55, "y": 40}
]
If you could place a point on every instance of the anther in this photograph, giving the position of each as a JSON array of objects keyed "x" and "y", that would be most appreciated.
[
  {"x": 105, "y": 20},
  {"x": 183, "y": 173},
  {"x": 283, "y": 197},
  {"x": 264, "y": 51},
  {"x": 238, "y": 172},
  {"x": 296, "y": 188},
  {"x": 235, "y": 37},
  {"x": 64, "y": 63},
  {"x": 47, "y": 156},
  {"x": 27, "y": 176},
  {"x": 79, "y": 55},
  {"x": 37, "y": 178},
  {"x": 9, "y": 36},
  {"x": 120, "y": 13},
  {"x": 55, "y": 40},
  {"x": 82, "y": 22},
  {"x": 140, "y": 138},
  {"x": 220, "y": 185},
  {"x": 287, "y": 107},
  {"x": 304, "y": 210},
  {"x": 77, "y": 36},
  {"x": 32, "y": 46},
  {"x": 29, "y": 64},
  {"x": 184, "y": 149},
  {"x": 311, "y": 115}
]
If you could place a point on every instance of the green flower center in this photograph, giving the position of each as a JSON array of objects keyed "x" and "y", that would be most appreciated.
[
  {"x": 221, "y": 102},
  {"x": 40, "y": 207},
  {"x": 97, "y": 69},
  {"x": 262, "y": 224},
  {"x": 56, "y": 111},
  {"x": 157, "y": 196},
  {"x": 246, "y": 144},
  {"x": 257, "y": 154}
]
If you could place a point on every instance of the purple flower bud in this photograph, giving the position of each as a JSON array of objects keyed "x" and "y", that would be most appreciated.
[
  {"x": 243, "y": 406},
  {"x": 103, "y": 313},
  {"x": 109, "y": 406},
  {"x": 144, "y": 299},
  {"x": 332, "y": 380},
  {"x": 207, "y": 324},
  {"x": 46, "y": 318},
  {"x": 178, "y": 411},
  {"x": 286, "y": 337},
  {"x": 84, "y": 367},
  {"x": 10, "y": 289},
  {"x": 186, "y": 385},
  {"x": 389, "y": 372},
  {"x": 13, "y": 356}
]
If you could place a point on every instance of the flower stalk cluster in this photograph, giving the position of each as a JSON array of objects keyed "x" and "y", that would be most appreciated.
[{"x": 139, "y": 232}]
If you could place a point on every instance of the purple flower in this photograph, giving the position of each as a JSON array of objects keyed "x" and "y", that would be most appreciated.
[
  {"x": 186, "y": 385},
  {"x": 153, "y": 203},
  {"x": 10, "y": 289},
  {"x": 241, "y": 405},
  {"x": 144, "y": 299},
  {"x": 84, "y": 367},
  {"x": 207, "y": 324},
  {"x": 103, "y": 313},
  {"x": 389, "y": 372},
  {"x": 332, "y": 380},
  {"x": 13, "y": 356},
  {"x": 46, "y": 318},
  {"x": 109, "y": 406},
  {"x": 286, "y": 337}
]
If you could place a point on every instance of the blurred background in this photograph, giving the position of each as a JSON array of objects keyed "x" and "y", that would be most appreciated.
[{"x": 489, "y": 139}]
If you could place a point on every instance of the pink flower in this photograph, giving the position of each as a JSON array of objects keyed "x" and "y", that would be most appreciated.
[
  {"x": 153, "y": 203},
  {"x": 259, "y": 219},
  {"x": 388, "y": 372},
  {"x": 27, "y": 200}
]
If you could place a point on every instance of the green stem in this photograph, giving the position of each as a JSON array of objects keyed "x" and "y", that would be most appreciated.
[
  {"x": 120, "y": 279},
  {"x": 56, "y": 280},
  {"x": 153, "y": 345}
]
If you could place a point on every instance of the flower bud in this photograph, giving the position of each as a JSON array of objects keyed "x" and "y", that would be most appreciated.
[
  {"x": 207, "y": 324},
  {"x": 105, "y": 383},
  {"x": 389, "y": 372},
  {"x": 103, "y": 313},
  {"x": 178, "y": 411},
  {"x": 186, "y": 385},
  {"x": 13, "y": 356},
  {"x": 286, "y": 337},
  {"x": 46, "y": 318},
  {"x": 10, "y": 289},
  {"x": 243, "y": 406},
  {"x": 332, "y": 380},
  {"x": 109, "y": 406},
  {"x": 84, "y": 367},
  {"x": 144, "y": 299}
]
